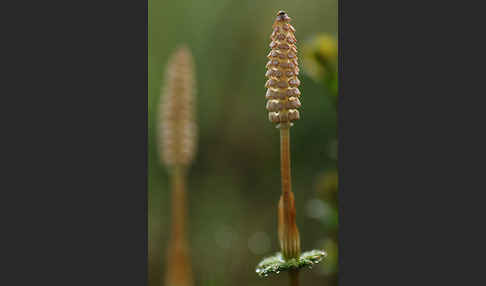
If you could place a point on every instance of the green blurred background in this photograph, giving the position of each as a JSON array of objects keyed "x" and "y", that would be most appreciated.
[{"x": 234, "y": 183}]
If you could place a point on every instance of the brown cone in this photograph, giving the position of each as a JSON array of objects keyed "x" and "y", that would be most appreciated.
[{"x": 282, "y": 70}]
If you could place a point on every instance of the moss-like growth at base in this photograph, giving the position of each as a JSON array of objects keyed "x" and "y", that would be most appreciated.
[{"x": 276, "y": 263}]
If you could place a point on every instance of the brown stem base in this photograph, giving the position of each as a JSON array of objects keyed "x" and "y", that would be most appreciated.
[{"x": 294, "y": 277}]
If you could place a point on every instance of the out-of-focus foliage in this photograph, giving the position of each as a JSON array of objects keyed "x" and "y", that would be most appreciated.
[
  {"x": 328, "y": 186},
  {"x": 324, "y": 209},
  {"x": 234, "y": 182},
  {"x": 321, "y": 60},
  {"x": 330, "y": 264}
]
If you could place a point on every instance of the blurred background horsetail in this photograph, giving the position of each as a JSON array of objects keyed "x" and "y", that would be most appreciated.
[
  {"x": 178, "y": 130},
  {"x": 177, "y": 142}
]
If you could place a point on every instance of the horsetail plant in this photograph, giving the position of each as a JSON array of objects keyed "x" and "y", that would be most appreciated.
[
  {"x": 177, "y": 146},
  {"x": 282, "y": 103}
]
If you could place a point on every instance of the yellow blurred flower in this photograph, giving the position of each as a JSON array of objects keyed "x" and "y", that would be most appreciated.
[
  {"x": 320, "y": 56},
  {"x": 327, "y": 46}
]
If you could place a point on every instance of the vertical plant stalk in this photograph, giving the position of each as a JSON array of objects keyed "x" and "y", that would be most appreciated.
[
  {"x": 288, "y": 232},
  {"x": 179, "y": 270},
  {"x": 283, "y": 103},
  {"x": 177, "y": 142}
]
